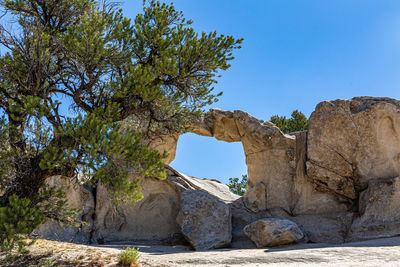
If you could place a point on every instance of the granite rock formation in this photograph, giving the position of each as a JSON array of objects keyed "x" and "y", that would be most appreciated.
[{"x": 338, "y": 181}]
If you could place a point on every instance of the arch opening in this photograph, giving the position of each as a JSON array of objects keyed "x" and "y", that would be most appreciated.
[{"x": 206, "y": 157}]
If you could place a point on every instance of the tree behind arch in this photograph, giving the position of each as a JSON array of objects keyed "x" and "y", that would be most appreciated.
[{"x": 297, "y": 122}]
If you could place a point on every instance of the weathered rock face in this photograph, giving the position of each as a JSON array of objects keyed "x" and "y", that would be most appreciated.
[
  {"x": 324, "y": 228},
  {"x": 337, "y": 182},
  {"x": 379, "y": 211},
  {"x": 269, "y": 153},
  {"x": 255, "y": 198},
  {"x": 316, "y": 177},
  {"x": 154, "y": 217},
  {"x": 165, "y": 143},
  {"x": 277, "y": 178},
  {"x": 273, "y": 232},
  {"x": 205, "y": 220},
  {"x": 78, "y": 197},
  {"x": 351, "y": 142},
  {"x": 306, "y": 200}
]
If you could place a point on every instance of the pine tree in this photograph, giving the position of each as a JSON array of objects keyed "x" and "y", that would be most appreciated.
[
  {"x": 155, "y": 72},
  {"x": 238, "y": 187},
  {"x": 297, "y": 122}
]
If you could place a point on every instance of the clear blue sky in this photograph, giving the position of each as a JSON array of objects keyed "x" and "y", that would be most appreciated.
[{"x": 295, "y": 54}]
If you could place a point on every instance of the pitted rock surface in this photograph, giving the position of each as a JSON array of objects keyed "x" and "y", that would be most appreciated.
[
  {"x": 271, "y": 232},
  {"x": 205, "y": 220}
]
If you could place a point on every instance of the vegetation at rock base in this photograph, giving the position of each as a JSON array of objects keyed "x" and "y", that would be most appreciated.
[
  {"x": 129, "y": 257},
  {"x": 17, "y": 219},
  {"x": 237, "y": 186},
  {"x": 71, "y": 71},
  {"x": 297, "y": 122}
]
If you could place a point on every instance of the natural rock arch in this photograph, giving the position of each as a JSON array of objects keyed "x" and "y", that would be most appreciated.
[
  {"x": 267, "y": 150},
  {"x": 338, "y": 181}
]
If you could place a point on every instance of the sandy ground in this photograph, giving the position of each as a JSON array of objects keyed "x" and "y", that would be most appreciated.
[{"x": 382, "y": 252}]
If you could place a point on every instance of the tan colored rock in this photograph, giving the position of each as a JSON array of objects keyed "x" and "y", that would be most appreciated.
[
  {"x": 165, "y": 143},
  {"x": 325, "y": 178},
  {"x": 211, "y": 186},
  {"x": 255, "y": 198},
  {"x": 277, "y": 175},
  {"x": 343, "y": 167},
  {"x": 271, "y": 232},
  {"x": 351, "y": 142},
  {"x": 379, "y": 211},
  {"x": 268, "y": 151},
  {"x": 78, "y": 197},
  {"x": 154, "y": 217},
  {"x": 306, "y": 200},
  {"x": 319, "y": 228},
  {"x": 270, "y": 154}
]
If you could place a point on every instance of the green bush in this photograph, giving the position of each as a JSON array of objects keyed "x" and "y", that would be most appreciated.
[
  {"x": 238, "y": 187},
  {"x": 297, "y": 122},
  {"x": 129, "y": 257},
  {"x": 17, "y": 220}
]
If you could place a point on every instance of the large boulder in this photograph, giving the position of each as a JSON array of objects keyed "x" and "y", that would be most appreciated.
[
  {"x": 271, "y": 232},
  {"x": 379, "y": 211},
  {"x": 211, "y": 186},
  {"x": 351, "y": 142},
  {"x": 205, "y": 220},
  {"x": 242, "y": 216}
]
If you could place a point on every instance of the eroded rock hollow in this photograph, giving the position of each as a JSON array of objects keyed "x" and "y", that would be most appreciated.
[{"x": 337, "y": 182}]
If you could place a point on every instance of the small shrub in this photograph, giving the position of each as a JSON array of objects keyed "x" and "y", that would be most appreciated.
[
  {"x": 17, "y": 220},
  {"x": 48, "y": 262},
  {"x": 129, "y": 257}
]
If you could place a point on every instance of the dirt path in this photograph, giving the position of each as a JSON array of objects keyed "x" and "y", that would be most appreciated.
[{"x": 382, "y": 252}]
